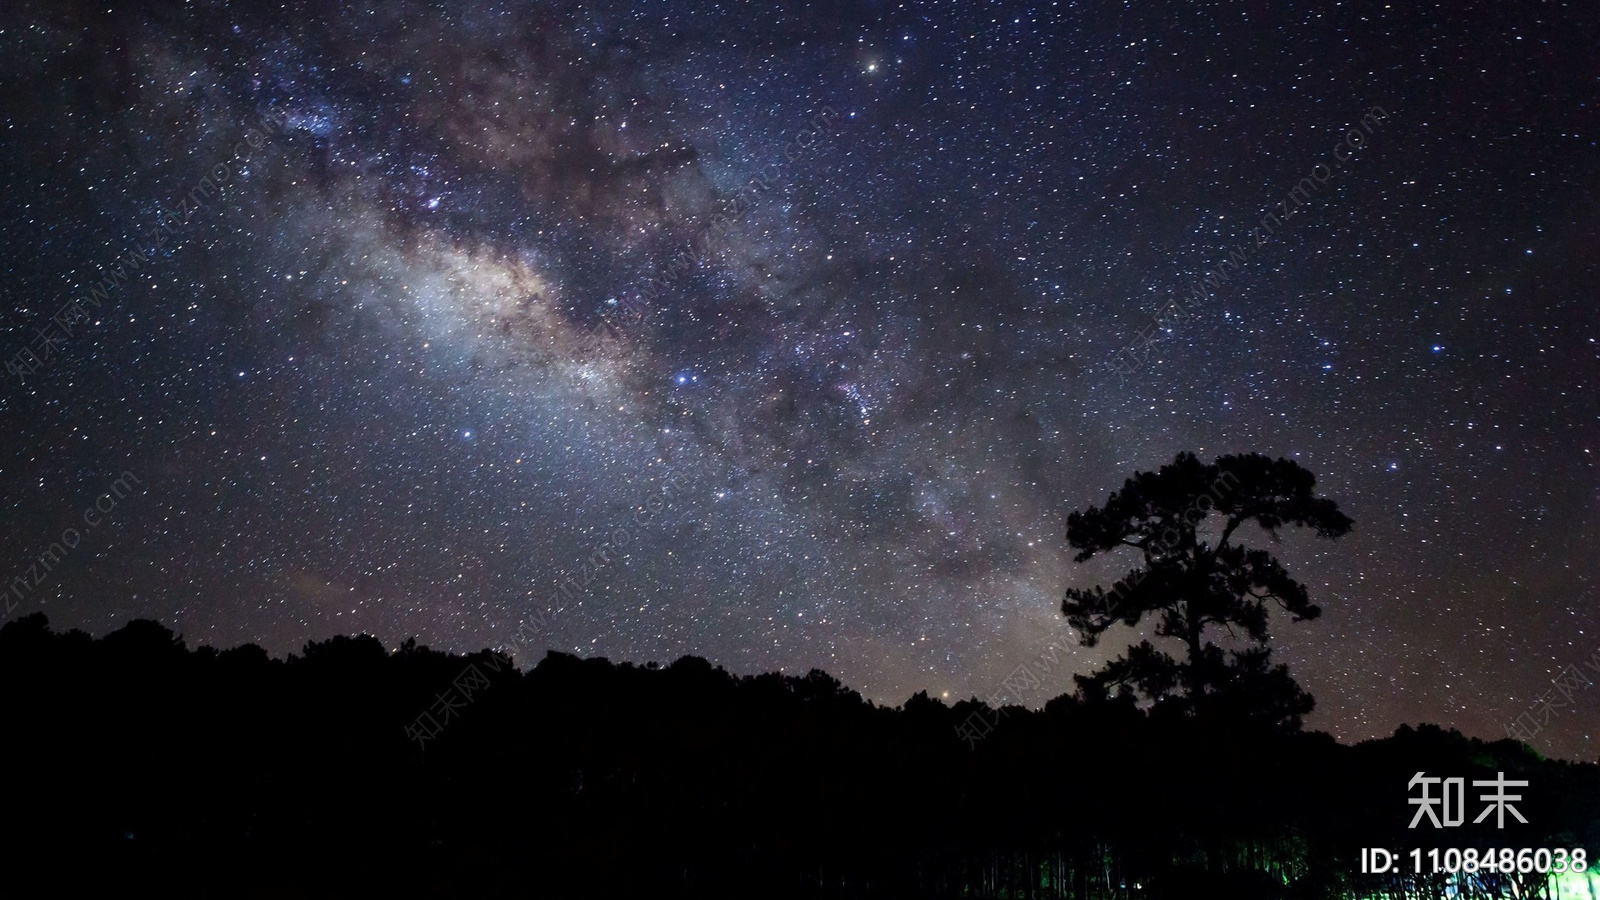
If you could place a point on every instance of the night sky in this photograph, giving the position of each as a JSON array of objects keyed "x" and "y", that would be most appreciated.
[{"x": 428, "y": 338}]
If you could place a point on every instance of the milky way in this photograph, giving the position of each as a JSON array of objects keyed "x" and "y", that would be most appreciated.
[{"x": 835, "y": 287}]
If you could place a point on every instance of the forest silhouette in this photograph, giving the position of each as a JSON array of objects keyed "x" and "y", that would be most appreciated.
[{"x": 133, "y": 760}]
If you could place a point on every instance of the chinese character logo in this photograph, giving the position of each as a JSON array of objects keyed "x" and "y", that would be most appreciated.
[{"x": 1449, "y": 808}]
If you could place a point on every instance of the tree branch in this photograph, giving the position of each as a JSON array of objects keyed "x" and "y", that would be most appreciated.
[{"x": 1233, "y": 523}]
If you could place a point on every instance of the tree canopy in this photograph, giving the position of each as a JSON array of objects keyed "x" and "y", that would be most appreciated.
[{"x": 1194, "y": 574}]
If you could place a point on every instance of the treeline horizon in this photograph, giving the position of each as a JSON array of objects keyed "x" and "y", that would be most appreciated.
[{"x": 133, "y": 759}]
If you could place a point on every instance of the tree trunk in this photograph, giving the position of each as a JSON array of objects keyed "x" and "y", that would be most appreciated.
[{"x": 1194, "y": 654}]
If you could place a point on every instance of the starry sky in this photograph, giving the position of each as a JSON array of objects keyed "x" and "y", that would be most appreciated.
[{"x": 803, "y": 315}]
